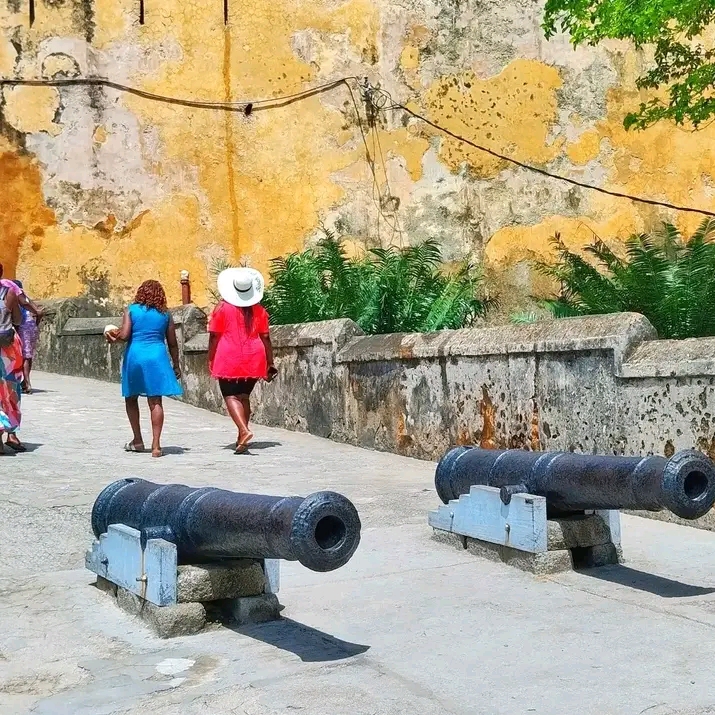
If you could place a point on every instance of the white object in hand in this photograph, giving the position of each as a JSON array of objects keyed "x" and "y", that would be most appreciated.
[{"x": 109, "y": 328}]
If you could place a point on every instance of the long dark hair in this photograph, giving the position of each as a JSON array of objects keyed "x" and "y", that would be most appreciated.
[{"x": 247, "y": 311}]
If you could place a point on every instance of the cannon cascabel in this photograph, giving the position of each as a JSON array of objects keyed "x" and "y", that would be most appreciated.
[{"x": 322, "y": 530}]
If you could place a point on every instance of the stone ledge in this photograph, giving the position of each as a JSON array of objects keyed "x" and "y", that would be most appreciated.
[
  {"x": 88, "y": 326},
  {"x": 327, "y": 332},
  {"x": 619, "y": 333},
  {"x": 300, "y": 335},
  {"x": 672, "y": 358},
  {"x": 182, "y": 315},
  {"x": 198, "y": 344}
]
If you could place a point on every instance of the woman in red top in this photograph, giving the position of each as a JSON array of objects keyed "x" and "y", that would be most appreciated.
[{"x": 240, "y": 351}]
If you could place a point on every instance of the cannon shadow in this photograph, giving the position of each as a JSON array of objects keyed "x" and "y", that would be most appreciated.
[
  {"x": 643, "y": 581},
  {"x": 309, "y": 644}
]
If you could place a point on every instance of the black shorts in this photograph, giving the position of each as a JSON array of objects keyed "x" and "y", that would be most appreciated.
[{"x": 237, "y": 388}]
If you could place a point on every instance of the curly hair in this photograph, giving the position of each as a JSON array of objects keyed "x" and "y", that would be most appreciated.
[{"x": 152, "y": 295}]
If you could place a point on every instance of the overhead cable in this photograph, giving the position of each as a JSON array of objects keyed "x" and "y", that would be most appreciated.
[{"x": 378, "y": 97}]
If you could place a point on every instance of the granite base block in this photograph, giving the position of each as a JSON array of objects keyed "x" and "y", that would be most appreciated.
[
  {"x": 213, "y": 582},
  {"x": 547, "y": 562},
  {"x": 183, "y": 619}
]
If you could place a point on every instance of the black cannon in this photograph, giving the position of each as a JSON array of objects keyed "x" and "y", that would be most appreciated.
[
  {"x": 322, "y": 531},
  {"x": 684, "y": 484}
]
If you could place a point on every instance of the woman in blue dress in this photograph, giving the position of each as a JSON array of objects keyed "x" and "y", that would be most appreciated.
[{"x": 148, "y": 329}]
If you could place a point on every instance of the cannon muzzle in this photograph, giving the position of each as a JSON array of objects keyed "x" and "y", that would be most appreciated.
[
  {"x": 684, "y": 484},
  {"x": 322, "y": 531}
]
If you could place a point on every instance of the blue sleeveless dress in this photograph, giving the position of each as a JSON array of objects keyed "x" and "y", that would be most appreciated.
[{"x": 146, "y": 368}]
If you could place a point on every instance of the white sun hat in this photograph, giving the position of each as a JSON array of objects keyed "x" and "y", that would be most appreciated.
[{"x": 241, "y": 286}]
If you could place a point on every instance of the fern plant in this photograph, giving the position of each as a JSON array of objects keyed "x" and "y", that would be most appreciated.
[
  {"x": 666, "y": 278},
  {"x": 384, "y": 291}
]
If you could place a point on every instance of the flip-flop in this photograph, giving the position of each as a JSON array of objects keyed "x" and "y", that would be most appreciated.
[
  {"x": 131, "y": 447},
  {"x": 241, "y": 449},
  {"x": 16, "y": 447}
]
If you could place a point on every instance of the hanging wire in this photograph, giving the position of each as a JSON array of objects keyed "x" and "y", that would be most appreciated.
[{"x": 377, "y": 97}]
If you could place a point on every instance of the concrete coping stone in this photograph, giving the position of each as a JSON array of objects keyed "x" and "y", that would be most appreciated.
[
  {"x": 618, "y": 332},
  {"x": 671, "y": 358},
  {"x": 327, "y": 332},
  {"x": 198, "y": 344},
  {"x": 96, "y": 325},
  {"x": 89, "y": 326}
]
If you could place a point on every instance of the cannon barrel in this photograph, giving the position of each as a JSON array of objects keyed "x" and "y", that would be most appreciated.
[
  {"x": 684, "y": 484},
  {"x": 322, "y": 530}
]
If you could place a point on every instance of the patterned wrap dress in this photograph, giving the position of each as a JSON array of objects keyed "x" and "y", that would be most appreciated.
[{"x": 10, "y": 376}]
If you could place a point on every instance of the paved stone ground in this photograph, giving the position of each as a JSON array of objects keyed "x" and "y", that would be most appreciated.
[{"x": 408, "y": 627}]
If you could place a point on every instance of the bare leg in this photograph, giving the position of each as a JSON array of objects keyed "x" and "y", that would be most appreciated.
[
  {"x": 132, "y": 406},
  {"x": 156, "y": 408},
  {"x": 246, "y": 404},
  {"x": 236, "y": 409},
  {"x": 26, "y": 369}
]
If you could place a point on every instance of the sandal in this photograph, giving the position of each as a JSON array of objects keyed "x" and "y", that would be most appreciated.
[
  {"x": 131, "y": 447},
  {"x": 16, "y": 446},
  {"x": 241, "y": 449}
]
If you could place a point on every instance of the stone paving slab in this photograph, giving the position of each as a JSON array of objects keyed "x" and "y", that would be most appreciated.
[{"x": 409, "y": 627}]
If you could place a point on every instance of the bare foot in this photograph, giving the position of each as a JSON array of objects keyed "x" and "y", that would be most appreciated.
[{"x": 156, "y": 452}]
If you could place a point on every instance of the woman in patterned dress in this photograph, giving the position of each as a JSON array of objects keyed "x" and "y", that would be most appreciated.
[{"x": 10, "y": 370}]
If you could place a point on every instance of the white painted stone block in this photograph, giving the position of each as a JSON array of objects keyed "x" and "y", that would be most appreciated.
[
  {"x": 119, "y": 558},
  {"x": 521, "y": 524}
]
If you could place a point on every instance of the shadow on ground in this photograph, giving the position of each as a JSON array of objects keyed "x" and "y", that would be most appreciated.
[
  {"x": 29, "y": 447},
  {"x": 255, "y": 446},
  {"x": 175, "y": 450},
  {"x": 309, "y": 644},
  {"x": 643, "y": 581}
]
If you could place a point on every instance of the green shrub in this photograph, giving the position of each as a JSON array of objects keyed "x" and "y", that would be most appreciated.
[
  {"x": 385, "y": 291},
  {"x": 669, "y": 280}
]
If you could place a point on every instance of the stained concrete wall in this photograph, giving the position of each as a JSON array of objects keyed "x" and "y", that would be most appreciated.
[
  {"x": 600, "y": 384},
  {"x": 102, "y": 189}
]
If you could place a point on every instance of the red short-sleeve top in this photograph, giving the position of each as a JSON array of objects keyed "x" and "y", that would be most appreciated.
[{"x": 240, "y": 352}]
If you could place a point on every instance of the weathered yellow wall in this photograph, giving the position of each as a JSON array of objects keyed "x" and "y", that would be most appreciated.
[{"x": 101, "y": 189}]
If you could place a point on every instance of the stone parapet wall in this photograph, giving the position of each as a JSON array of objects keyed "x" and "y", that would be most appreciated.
[{"x": 596, "y": 384}]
